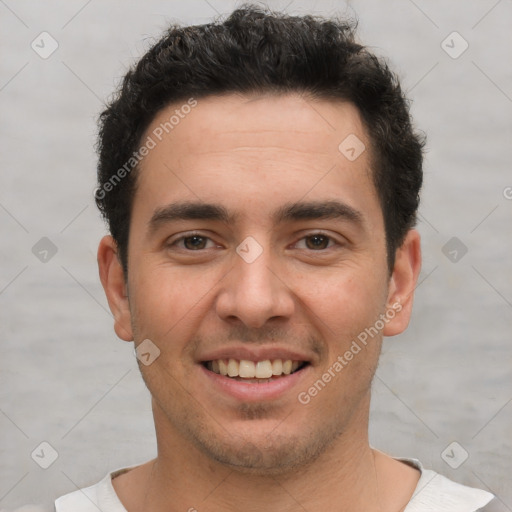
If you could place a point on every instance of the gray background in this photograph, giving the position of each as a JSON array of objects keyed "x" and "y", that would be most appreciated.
[{"x": 66, "y": 379}]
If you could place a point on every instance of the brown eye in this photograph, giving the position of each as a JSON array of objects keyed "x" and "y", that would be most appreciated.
[
  {"x": 317, "y": 242},
  {"x": 194, "y": 242}
]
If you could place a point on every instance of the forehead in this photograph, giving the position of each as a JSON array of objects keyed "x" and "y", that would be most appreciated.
[
  {"x": 255, "y": 151},
  {"x": 233, "y": 121}
]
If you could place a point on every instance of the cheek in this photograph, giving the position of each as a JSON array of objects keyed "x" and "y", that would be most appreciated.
[
  {"x": 166, "y": 302},
  {"x": 346, "y": 309},
  {"x": 344, "y": 312},
  {"x": 345, "y": 302}
]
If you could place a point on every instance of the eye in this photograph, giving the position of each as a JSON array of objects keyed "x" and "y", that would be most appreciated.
[
  {"x": 193, "y": 242},
  {"x": 316, "y": 242}
]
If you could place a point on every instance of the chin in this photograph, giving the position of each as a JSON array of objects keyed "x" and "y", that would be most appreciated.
[{"x": 264, "y": 454}]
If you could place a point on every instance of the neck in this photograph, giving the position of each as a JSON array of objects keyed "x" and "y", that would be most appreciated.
[{"x": 348, "y": 476}]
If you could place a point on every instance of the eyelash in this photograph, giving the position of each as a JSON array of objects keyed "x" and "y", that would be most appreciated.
[{"x": 310, "y": 235}]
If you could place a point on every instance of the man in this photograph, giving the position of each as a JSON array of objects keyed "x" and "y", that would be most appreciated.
[{"x": 260, "y": 178}]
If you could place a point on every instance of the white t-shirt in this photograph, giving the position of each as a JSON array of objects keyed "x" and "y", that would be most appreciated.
[{"x": 434, "y": 493}]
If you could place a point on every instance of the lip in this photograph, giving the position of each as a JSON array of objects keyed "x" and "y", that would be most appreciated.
[
  {"x": 254, "y": 392},
  {"x": 255, "y": 354}
]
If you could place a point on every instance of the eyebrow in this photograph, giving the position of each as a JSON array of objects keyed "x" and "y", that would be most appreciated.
[
  {"x": 311, "y": 210},
  {"x": 316, "y": 210},
  {"x": 189, "y": 211}
]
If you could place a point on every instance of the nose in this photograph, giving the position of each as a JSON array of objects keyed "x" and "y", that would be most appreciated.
[{"x": 254, "y": 293}]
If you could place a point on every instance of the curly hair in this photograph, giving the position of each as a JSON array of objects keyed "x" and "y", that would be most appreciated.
[{"x": 255, "y": 50}]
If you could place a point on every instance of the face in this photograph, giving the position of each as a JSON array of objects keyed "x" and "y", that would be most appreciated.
[{"x": 258, "y": 248}]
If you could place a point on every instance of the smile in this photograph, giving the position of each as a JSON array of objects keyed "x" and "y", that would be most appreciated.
[
  {"x": 255, "y": 371},
  {"x": 246, "y": 380}
]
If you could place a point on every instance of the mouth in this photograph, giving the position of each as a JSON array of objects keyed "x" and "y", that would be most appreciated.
[{"x": 257, "y": 372}]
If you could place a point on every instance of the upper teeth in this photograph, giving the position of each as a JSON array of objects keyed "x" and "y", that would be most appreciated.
[{"x": 251, "y": 369}]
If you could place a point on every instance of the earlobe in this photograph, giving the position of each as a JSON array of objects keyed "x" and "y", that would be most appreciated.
[
  {"x": 403, "y": 282},
  {"x": 115, "y": 287}
]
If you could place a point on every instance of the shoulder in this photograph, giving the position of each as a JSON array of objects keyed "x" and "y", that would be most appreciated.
[
  {"x": 434, "y": 492},
  {"x": 83, "y": 500},
  {"x": 100, "y": 496}
]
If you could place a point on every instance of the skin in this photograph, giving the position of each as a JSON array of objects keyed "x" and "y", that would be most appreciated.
[{"x": 252, "y": 155}]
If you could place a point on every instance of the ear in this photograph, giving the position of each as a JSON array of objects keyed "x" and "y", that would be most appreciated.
[
  {"x": 114, "y": 284},
  {"x": 402, "y": 283}
]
